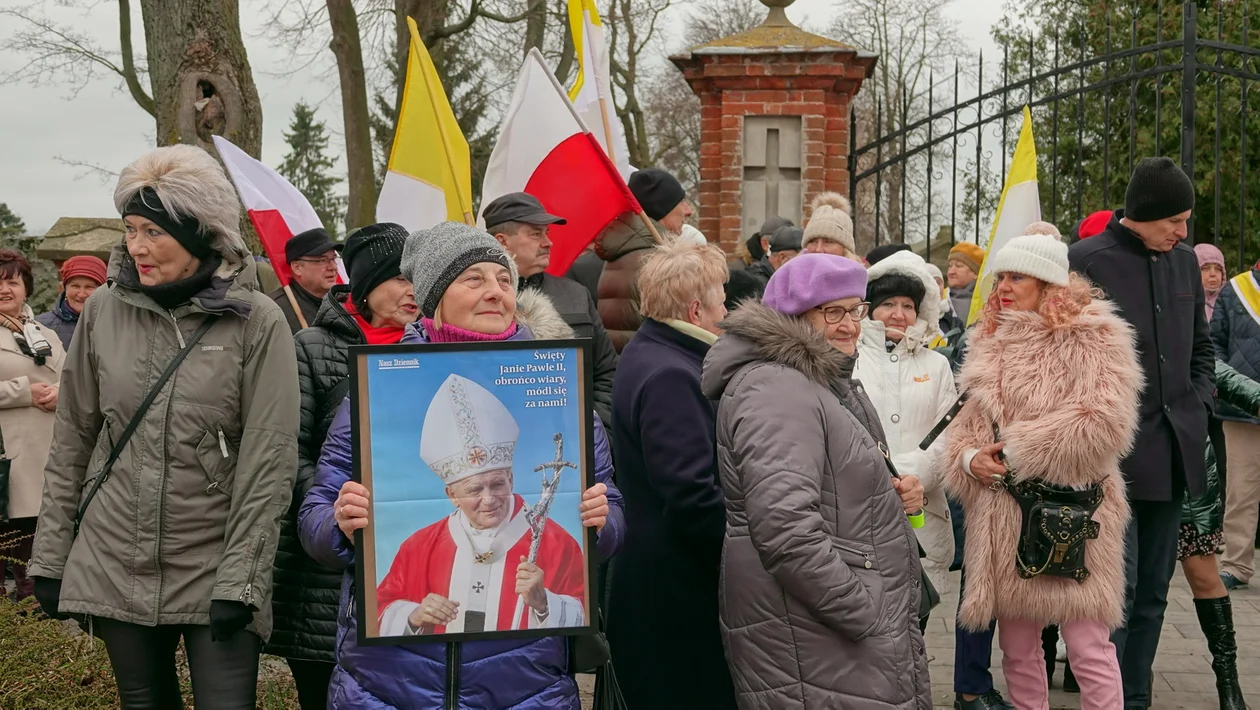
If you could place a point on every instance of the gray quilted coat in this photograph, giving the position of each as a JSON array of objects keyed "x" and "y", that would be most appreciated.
[{"x": 819, "y": 593}]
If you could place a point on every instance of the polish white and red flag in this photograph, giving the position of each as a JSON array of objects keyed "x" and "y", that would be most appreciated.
[
  {"x": 546, "y": 150},
  {"x": 275, "y": 207}
]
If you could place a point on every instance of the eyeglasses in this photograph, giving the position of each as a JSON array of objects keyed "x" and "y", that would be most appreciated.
[
  {"x": 323, "y": 261},
  {"x": 835, "y": 314}
]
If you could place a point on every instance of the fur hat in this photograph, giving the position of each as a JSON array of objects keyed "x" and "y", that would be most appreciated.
[
  {"x": 906, "y": 274},
  {"x": 829, "y": 219},
  {"x": 1039, "y": 252},
  {"x": 184, "y": 186}
]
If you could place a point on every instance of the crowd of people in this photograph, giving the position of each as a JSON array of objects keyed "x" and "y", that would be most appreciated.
[{"x": 795, "y": 448}]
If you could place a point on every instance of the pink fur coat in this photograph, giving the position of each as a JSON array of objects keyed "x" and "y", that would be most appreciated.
[{"x": 1065, "y": 399}]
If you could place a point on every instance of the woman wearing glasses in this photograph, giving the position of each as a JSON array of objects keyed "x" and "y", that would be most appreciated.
[{"x": 819, "y": 595}]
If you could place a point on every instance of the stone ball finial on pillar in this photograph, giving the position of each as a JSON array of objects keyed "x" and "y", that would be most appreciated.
[
  {"x": 777, "y": 16},
  {"x": 774, "y": 122}
]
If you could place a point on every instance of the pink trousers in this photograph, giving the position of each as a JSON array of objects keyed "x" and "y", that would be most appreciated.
[{"x": 1090, "y": 651}]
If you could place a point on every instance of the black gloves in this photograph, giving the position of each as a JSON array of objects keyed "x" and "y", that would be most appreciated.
[
  {"x": 48, "y": 594},
  {"x": 227, "y": 618}
]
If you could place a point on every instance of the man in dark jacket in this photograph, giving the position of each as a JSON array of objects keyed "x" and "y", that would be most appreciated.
[
  {"x": 663, "y": 604},
  {"x": 1140, "y": 262},
  {"x": 520, "y": 223},
  {"x": 312, "y": 257},
  {"x": 762, "y": 268}
]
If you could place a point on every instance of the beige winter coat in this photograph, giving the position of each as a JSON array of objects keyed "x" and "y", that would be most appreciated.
[
  {"x": 191, "y": 511},
  {"x": 26, "y": 429}
]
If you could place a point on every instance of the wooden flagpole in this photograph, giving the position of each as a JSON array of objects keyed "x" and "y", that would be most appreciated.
[{"x": 293, "y": 302}]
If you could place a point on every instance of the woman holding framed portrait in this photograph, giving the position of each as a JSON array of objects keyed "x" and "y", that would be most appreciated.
[{"x": 465, "y": 286}]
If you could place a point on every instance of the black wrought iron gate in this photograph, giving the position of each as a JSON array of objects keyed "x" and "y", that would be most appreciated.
[{"x": 1123, "y": 82}]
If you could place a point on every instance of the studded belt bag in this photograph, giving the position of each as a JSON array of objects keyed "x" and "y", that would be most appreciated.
[{"x": 1056, "y": 522}]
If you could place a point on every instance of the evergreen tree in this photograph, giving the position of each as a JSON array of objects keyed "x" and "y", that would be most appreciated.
[
  {"x": 11, "y": 226},
  {"x": 13, "y": 236},
  {"x": 309, "y": 168}
]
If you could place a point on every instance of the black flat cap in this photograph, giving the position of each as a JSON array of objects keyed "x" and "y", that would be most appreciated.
[
  {"x": 517, "y": 207},
  {"x": 309, "y": 243}
]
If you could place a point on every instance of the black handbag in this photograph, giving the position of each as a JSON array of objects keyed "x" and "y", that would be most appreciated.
[
  {"x": 136, "y": 418},
  {"x": 1056, "y": 522}
]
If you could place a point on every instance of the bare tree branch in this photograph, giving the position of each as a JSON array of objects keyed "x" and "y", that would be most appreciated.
[
  {"x": 129, "y": 64},
  {"x": 103, "y": 175}
]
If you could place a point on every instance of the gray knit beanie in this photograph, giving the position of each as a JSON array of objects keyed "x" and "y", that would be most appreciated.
[{"x": 433, "y": 258}]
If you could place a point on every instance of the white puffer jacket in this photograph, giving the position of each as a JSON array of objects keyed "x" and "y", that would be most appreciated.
[{"x": 912, "y": 388}]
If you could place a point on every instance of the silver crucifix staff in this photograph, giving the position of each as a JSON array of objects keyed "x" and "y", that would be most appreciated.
[{"x": 536, "y": 515}]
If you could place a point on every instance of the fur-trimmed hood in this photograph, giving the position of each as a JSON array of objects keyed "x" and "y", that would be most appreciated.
[
  {"x": 536, "y": 312},
  {"x": 755, "y": 333},
  {"x": 928, "y": 312}
]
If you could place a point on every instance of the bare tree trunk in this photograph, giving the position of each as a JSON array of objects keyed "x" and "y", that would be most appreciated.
[
  {"x": 201, "y": 79},
  {"x": 346, "y": 46},
  {"x": 535, "y": 25}
]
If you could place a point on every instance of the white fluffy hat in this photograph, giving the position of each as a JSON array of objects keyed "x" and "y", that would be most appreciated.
[
  {"x": 467, "y": 431},
  {"x": 1039, "y": 253}
]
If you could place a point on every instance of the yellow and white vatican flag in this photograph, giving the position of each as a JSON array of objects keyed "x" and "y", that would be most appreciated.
[
  {"x": 429, "y": 178},
  {"x": 1019, "y": 207},
  {"x": 592, "y": 93},
  {"x": 1248, "y": 292}
]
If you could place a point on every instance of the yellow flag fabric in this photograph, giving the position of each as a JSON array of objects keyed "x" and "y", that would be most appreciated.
[
  {"x": 1248, "y": 292},
  {"x": 577, "y": 25},
  {"x": 1019, "y": 207},
  {"x": 429, "y": 165}
]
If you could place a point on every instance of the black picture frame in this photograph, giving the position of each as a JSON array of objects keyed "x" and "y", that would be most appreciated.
[{"x": 366, "y": 564}]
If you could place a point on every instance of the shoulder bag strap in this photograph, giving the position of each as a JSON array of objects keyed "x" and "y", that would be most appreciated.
[{"x": 136, "y": 418}]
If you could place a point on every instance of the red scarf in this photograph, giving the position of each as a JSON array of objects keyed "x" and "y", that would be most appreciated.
[{"x": 385, "y": 335}]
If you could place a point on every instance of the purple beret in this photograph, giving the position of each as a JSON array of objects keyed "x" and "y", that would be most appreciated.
[{"x": 811, "y": 280}]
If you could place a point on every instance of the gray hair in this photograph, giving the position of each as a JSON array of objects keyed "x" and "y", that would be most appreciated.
[{"x": 189, "y": 183}]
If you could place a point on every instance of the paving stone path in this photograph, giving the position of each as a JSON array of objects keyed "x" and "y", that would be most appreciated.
[{"x": 1183, "y": 674}]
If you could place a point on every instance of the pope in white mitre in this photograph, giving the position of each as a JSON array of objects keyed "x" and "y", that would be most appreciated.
[{"x": 466, "y": 572}]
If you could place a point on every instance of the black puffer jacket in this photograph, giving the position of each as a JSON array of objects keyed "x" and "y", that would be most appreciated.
[{"x": 306, "y": 594}]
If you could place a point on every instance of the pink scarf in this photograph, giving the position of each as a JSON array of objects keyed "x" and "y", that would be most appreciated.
[{"x": 452, "y": 334}]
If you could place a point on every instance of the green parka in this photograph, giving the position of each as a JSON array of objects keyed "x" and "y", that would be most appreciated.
[{"x": 192, "y": 508}]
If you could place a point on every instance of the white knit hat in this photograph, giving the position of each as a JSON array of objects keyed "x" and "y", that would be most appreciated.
[
  {"x": 1039, "y": 253},
  {"x": 829, "y": 219}
]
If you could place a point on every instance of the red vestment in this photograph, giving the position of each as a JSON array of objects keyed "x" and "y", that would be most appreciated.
[{"x": 431, "y": 558}]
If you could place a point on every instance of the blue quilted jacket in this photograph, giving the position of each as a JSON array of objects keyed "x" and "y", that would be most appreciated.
[
  {"x": 531, "y": 674},
  {"x": 1236, "y": 337}
]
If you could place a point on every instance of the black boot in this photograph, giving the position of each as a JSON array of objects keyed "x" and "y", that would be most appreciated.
[
  {"x": 1049, "y": 649},
  {"x": 1216, "y": 618}
]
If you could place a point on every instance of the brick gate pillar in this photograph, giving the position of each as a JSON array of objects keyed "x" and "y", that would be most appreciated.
[{"x": 774, "y": 122}]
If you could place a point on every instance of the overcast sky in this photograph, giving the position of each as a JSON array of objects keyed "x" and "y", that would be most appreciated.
[{"x": 102, "y": 125}]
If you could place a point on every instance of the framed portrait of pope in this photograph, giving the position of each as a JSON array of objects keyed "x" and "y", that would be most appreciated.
[{"x": 476, "y": 456}]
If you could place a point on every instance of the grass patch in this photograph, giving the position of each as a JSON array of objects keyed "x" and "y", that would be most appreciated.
[{"x": 50, "y": 665}]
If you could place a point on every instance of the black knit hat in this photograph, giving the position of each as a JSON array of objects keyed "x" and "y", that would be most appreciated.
[
  {"x": 883, "y": 251},
  {"x": 742, "y": 286},
  {"x": 186, "y": 230},
  {"x": 895, "y": 284},
  {"x": 372, "y": 256},
  {"x": 1158, "y": 190},
  {"x": 657, "y": 191}
]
